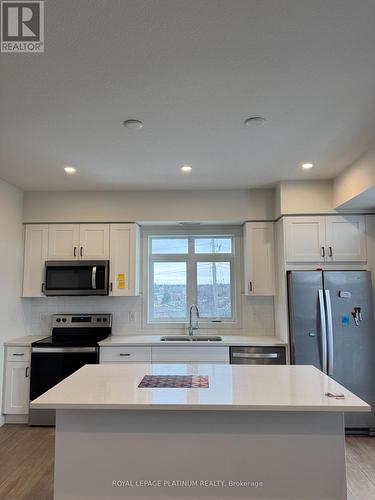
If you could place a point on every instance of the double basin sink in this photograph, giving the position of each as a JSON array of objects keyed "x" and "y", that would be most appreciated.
[{"x": 188, "y": 338}]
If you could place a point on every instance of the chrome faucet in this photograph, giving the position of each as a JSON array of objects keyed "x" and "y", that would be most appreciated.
[{"x": 191, "y": 327}]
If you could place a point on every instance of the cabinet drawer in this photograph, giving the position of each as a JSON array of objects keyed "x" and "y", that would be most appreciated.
[
  {"x": 18, "y": 353},
  {"x": 126, "y": 354},
  {"x": 190, "y": 354}
]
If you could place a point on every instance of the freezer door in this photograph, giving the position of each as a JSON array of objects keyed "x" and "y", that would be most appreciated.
[
  {"x": 353, "y": 346},
  {"x": 307, "y": 339}
]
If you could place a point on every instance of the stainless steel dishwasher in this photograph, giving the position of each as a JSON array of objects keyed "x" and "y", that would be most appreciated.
[{"x": 257, "y": 355}]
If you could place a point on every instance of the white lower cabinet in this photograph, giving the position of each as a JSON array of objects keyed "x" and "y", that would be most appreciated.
[
  {"x": 164, "y": 354},
  {"x": 170, "y": 354},
  {"x": 125, "y": 354},
  {"x": 17, "y": 384}
]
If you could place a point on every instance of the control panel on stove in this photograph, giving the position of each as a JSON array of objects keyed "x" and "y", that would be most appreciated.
[{"x": 81, "y": 320}]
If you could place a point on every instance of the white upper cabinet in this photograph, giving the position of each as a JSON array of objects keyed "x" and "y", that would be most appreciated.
[
  {"x": 36, "y": 248},
  {"x": 259, "y": 258},
  {"x": 94, "y": 241},
  {"x": 305, "y": 239},
  {"x": 78, "y": 241},
  {"x": 346, "y": 238},
  {"x": 63, "y": 241},
  {"x": 119, "y": 243},
  {"x": 325, "y": 239},
  {"x": 124, "y": 259}
]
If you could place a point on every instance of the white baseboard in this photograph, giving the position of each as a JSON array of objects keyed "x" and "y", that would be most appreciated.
[{"x": 16, "y": 419}]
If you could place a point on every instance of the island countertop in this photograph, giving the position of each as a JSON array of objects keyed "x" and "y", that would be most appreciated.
[{"x": 231, "y": 388}]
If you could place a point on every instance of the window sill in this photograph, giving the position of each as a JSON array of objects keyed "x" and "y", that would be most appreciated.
[{"x": 183, "y": 327}]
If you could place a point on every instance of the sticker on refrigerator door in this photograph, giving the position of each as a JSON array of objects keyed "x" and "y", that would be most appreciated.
[
  {"x": 344, "y": 294},
  {"x": 121, "y": 281},
  {"x": 357, "y": 315},
  {"x": 345, "y": 320}
]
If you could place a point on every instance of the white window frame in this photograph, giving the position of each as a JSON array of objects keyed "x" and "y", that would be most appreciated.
[{"x": 236, "y": 258}]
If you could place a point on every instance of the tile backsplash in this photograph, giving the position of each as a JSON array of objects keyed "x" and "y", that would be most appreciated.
[{"x": 257, "y": 314}]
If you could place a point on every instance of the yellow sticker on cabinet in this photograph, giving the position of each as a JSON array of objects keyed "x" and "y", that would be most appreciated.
[{"x": 121, "y": 281}]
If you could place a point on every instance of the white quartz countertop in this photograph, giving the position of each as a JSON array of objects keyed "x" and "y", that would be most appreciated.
[
  {"x": 227, "y": 340},
  {"x": 24, "y": 341},
  {"x": 231, "y": 387}
]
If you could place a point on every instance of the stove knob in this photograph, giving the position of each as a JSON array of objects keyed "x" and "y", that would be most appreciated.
[
  {"x": 58, "y": 320},
  {"x": 104, "y": 319},
  {"x": 64, "y": 320},
  {"x": 98, "y": 319}
]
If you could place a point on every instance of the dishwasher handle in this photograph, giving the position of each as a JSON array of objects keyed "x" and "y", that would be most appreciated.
[{"x": 256, "y": 355}]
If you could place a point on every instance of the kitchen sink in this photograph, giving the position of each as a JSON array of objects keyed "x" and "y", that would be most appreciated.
[{"x": 187, "y": 338}]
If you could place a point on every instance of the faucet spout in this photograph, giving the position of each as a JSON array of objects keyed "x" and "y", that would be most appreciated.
[{"x": 192, "y": 327}]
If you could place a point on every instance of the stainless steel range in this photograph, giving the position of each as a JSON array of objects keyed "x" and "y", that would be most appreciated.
[{"x": 73, "y": 344}]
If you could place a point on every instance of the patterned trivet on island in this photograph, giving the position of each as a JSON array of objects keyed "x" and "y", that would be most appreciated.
[{"x": 174, "y": 381}]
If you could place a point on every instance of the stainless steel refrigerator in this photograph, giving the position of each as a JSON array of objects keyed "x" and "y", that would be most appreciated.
[{"x": 332, "y": 328}]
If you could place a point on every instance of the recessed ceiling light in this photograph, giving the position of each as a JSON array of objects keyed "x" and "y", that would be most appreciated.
[
  {"x": 307, "y": 166},
  {"x": 70, "y": 170},
  {"x": 254, "y": 121},
  {"x": 133, "y": 124},
  {"x": 186, "y": 169}
]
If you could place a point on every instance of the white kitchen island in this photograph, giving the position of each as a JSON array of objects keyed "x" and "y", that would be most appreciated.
[{"x": 267, "y": 432}]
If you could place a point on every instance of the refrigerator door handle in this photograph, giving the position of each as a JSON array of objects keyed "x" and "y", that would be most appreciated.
[
  {"x": 323, "y": 330},
  {"x": 330, "y": 332}
]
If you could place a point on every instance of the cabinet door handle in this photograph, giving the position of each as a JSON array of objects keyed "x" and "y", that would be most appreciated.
[
  {"x": 81, "y": 251},
  {"x": 322, "y": 251},
  {"x": 27, "y": 372},
  {"x": 75, "y": 252},
  {"x": 250, "y": 286},
  {"x": 111, "y": 287},
  {"x": 18, "y": 354},
  {"x": 330, "y": 252},
  {"x": 42, "y": 288},
  {"x": 125, "y": 354}
]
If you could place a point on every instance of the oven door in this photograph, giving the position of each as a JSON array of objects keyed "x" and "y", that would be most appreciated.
[
  {"x": 51, "y": 365},
  {"x": 76, "y": 278}
]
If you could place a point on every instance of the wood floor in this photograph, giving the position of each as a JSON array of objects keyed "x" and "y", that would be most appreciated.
[
  {"x": 26, "y": 464},
  {"x": 360, "y": 467}
]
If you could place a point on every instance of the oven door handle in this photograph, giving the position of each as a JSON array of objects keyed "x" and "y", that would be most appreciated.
[
  {"x": 93, "y": 278},
  {"x": 57, "y": 350}
]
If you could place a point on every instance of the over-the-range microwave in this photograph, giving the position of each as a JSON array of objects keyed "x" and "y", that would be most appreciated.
[{"x": 82, "y": 277}]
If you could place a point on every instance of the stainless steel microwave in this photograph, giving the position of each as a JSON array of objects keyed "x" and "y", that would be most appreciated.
[{"x": 76, "y": 277}]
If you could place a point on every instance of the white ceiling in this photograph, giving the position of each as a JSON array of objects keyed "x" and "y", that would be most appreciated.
[{"x": 192, "y": 71}]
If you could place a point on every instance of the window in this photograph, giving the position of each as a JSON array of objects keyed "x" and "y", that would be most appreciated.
[{"x": 190, "y": 268}]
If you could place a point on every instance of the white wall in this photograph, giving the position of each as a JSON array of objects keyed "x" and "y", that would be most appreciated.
[
  {"x": 257, "y": 314},
  {"x": 304, "y": 197},
  {"x": 149, "y": 206},
  {"x": 355, "y": 181},
  {"x": 11, "y": 251}
]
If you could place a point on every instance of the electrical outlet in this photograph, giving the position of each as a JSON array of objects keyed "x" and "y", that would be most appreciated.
[
  {"x": 132, "y": 316},
  {"x": 43, "y": 317}
]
